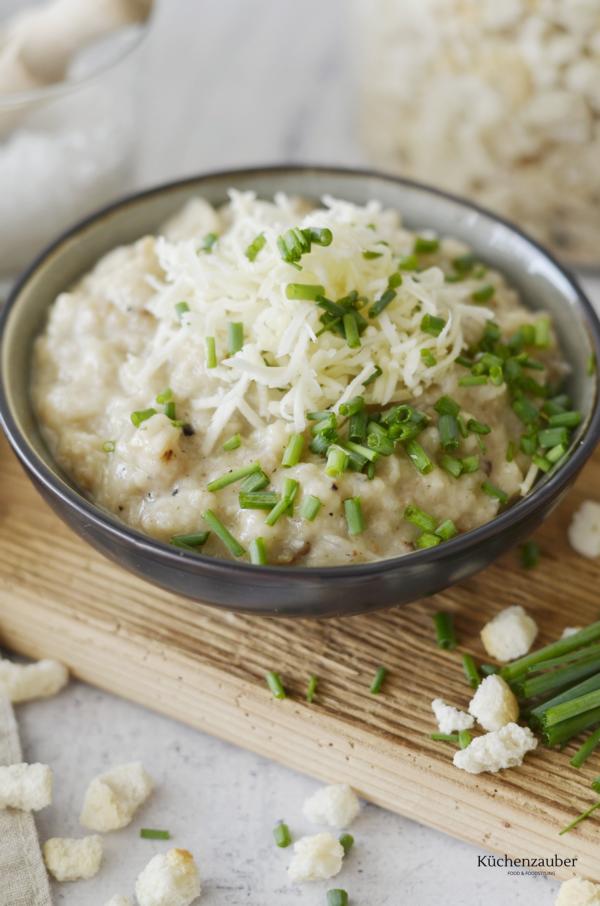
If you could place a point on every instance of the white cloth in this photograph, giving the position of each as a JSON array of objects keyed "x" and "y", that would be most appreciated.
[{"x": 23, "y": 878}]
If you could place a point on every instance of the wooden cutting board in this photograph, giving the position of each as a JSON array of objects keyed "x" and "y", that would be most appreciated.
[{"x": 58, "y": 598}]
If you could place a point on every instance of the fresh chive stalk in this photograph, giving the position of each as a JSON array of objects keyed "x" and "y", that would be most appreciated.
[
  {"x": 190, "y": 541},
  {"x": 566, "y": 710},
  {"x": 471, "y": 671},
  {"x": 529, "y": 554},
  {"x": 519, "y": 667},
  {"x": 378, "y": 680},
  {"x": 444, "y": 630},
  {"x": 444, "y": 737},
  {"x": 258, "y": 552},
  {"x": 231, "y": 477},
  {"x": 232, "y": 544},
  {"x": 579, "y": 819},
  {"x": 311, "y": 688},
  {"x": 585, "y": 750},
  {"x": 258, "y": 500},
  {"x": 290, "y": 489},
  {"x": 256, "y": 481},
  {"x": 557, "y": 679},
  {"x": 293, "y": 451},
  {"x": 275, "y": 685}
]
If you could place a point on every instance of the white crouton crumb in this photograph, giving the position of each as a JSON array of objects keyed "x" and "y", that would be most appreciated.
[
  {"x": 495, "y": 751},
  {"x": 113, "y": 797},
  {"x": 316, "y": 858},
  {"x": 24, "y": 682},
  {"x": 169, "y": 879},
  {"x": 584, "y": 531},
  {"x": 509, "y": 635},
  {"x": 568, "y": 631},
  {"x": 336, "y": 806},
  {"x": 577, "y": 892},
  {"x": 70, "y": 859},
  {"x": 25, "y": 786},
  {"x": 119, "y": 900},
  {"x": 450, "y": 719},
  {"x": 494, "y": 703}
]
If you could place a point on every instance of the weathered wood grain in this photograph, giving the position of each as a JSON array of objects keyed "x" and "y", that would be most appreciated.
[{"x": 59, "y": 598}]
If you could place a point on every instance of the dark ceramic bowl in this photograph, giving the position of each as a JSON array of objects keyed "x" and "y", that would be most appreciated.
[{"x": 294, "y": 591}]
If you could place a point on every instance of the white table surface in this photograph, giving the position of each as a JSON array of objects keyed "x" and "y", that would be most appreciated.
[{"x": 229, "y": 84}]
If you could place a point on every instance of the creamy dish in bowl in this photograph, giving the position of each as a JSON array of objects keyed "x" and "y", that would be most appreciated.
[{"x": 291, "y": 384}]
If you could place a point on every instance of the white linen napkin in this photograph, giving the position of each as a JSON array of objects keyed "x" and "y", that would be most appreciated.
[{"x": 23, "y": 878}]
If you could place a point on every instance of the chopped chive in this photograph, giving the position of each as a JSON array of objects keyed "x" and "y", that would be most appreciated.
[
  {"x": 165, "y": 397},
  {"x": 310, "y": 507},
  {"x": 293, "y": 451},
  {"x": 464, "y": 263},
  {"x": 476, "y": 427},
  {"x": 233, "y": 443},
  {"x": 542, "y": 463},
  {"x": 256, "y": 481},
  {"x": 394, "y": 280},
  {"x": 451, "y": 465},
  {"x": 211, "y": 352},
  {"x": 109, "y": 446},
  {"x": 529, "y": 554},
  {"x": 258, "y": 500},
  {"x": 428, "y": 358},
  {"x": 425, "y": 246},
  {"x": 231, "y": 477},
  {"x": 275, "y": 685},
  {"x": 492, "y": 491},
  {"x": 149, "y": 833},
  {"x": 170, "y": 410},
  {"x": 427, "y": 539},
  {"x": 444, "y": 737},
  {"x": 337, "y": 897},
  {"x": 370, "y": 455},
  {"x": 579, "y": 819},
  {"x": 591, "y": 364},
  {"x": 448, "y": 431},
  {"x": 319, "y": 235},
  {"x": 255, "y": 247},
  {"x": 526, "y": 411},
  {"x": 489, "y": 669},
  {"x": 432, "y": 325},
  {"x": 337, "y": 460},
  {"x": 418, "y": 457},
  {"x": 235, "y": 337},
  {"x": 281, "y": 832},
  {"x": 470, "y": 464},
  {"x": 377, "y": 372},
  {"x": 290, "y": 489},
  {"x": 551, "y": 437},
  {"x": 307, "y": 291},
  {"x": 484, "y": 294},
  {"x": 351, "y": 330},
  {"x": 464, "y": 738},
  {"x": 565, "y": 420},
  {"x": 318, "y": 416},
  {"x": 473, "y": 380},
  {"x": 541, "y": 337},
  {"x": 142, "y": 415},
  {"x": 193, "y": 539},
  {"x": 232, "y": 544},
  {"x": 378, "y": 679},
  {"x": 556, "y": 453},
  {"x": 586, "y": 749},
  {"x": 419, "y": 518},
  {"x": 511, "y": 450},
  {"x": 444, "y": 630},
  {"x": 258, "y": 552},
  {"x": 311, "y": 688},
  {"x": 354, "y": 516},
  {"x": 181, "y": 308},
  {"x": 208, "y": 241},
  {"x": 471, "y": 671},
  {"x": 447, "y": 406},
  {"x": 409, "y": 263},
  {"x": 384, "y": 300},
  {"x": 346, "y": 842},
  {"x": 370, "y": 256},
  {"x": 446, "y": 530}
]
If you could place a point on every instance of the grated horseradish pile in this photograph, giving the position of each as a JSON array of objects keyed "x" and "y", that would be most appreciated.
[{"x": 298, "y": 384}]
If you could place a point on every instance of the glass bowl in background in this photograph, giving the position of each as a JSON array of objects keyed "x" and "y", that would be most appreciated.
[
  {"x": 498, "y": 101},
  {"x": 69, "y": 147}
]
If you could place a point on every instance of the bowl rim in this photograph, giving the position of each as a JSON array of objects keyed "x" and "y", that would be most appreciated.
[{"x": 104, "y": 520}]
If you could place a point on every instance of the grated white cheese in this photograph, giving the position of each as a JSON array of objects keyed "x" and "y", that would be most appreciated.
[{"x": 305, "y": 372}]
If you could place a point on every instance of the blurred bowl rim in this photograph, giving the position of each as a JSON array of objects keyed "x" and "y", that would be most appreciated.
[
  {"x": 57, "y": 90},
  {"x": 544, "y": 492}
]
